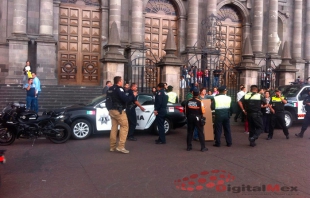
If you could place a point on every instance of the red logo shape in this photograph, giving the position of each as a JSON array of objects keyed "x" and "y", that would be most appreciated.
[{"x": 216, "y": 179}]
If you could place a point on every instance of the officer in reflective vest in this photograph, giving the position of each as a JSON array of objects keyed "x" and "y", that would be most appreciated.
[
  {"x": 276, "y": 106},
  {"x": 250, "y": 104},
  {"x": 194, "y": 110},
  {"x": 222, "y": 107},
  {"x": 172, "y": 96}
]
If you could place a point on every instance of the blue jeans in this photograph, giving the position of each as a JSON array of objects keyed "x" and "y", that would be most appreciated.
[
  {"x": 206, "y": 82},
  {"x": 215, "y": 81},
  {"x": 195, "y": 133},
  {"x": 30, "y": 103},
  {"x": 36, "y": 105}
]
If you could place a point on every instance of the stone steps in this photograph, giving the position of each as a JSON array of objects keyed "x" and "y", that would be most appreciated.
[{"x": 52, "y": 96}]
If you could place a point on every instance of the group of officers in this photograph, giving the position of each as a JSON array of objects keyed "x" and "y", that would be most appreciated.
[
  {"x": 251, "y": 103},
  {"x": 118, "y": 100}
]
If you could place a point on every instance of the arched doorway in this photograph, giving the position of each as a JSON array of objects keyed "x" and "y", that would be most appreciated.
[
  {"x": 230, "y": 45},
  {"x": 79, "y": 42},
  {"x": 160, "y": 15}
]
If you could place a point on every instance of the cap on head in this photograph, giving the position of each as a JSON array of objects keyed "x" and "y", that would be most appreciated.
[{"x": 222, "y": 88}]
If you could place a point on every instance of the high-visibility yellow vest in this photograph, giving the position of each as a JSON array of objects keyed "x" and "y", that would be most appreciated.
[
  {"x": 256, "y": 96},
  {"x": 172, "y": 97},
  {"x": 222, "y": 102}
]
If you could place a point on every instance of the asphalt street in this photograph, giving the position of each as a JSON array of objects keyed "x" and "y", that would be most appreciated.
[{"x": 274, "y": 168}]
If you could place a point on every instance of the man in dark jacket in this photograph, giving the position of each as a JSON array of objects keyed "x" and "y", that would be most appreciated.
[
  {"x": 194, "y": 110},
  {"x": 160, "y": 111}
]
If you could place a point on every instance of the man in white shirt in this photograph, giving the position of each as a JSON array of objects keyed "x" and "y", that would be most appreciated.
[
  {"x": 240, "y": 94},
  {"x": 182, "y": 87}
]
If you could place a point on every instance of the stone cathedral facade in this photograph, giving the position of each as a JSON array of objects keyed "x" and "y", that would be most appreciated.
[{"x": 66, "y": 40}]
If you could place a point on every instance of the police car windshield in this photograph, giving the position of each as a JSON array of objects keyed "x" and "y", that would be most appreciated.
[
  {"x": 96, "y": 100},
  {"x": 290, "y": 91}
]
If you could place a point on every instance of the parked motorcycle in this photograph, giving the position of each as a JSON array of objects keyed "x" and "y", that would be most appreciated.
[{"x": 17, "y": 122}]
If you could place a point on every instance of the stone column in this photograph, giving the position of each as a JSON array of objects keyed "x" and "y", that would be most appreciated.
[
  {"x": 307, "y": 39},
  {"x": 297, "y": 42},
  {"x": 248, "y": 69},
  {"x": 286, "y": 71},
  {"x": 170, "y": 64},
  {"x": 182, "y": 33},
  {"x": 104, "y": 26},
  {"x": 18, "y": 43},
  {"x": 297, "y": 29},
  {"x": 113, "y": 61},
  {"x": 46, "y": 45},
  {"x": 115, "y": 14},
  {"x": 20, "y": 17},
  {"x": 46, "y": 17},
  {"x": 56, "y": 19},
  {"x": 137, "y": 21},
  {"x": 211, "y": 7},
  {"x": 273, "y": 38},
  {"x": 307, "y": 32},
  {"x": 192, "y": 23},
  {"x": 258, "y": 26}
]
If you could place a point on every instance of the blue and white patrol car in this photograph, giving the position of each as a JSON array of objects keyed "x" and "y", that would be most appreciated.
[
  {"x": 93, "y": 117},
  {"x": 294, "y": 109}
]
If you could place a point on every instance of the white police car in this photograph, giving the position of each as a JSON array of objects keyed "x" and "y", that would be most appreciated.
[
  {"x": 294, "y": 108},
  {"x": 93, "y": 117}
]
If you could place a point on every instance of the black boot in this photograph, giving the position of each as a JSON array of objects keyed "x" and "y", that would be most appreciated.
[{"x": 301, "y": 134}]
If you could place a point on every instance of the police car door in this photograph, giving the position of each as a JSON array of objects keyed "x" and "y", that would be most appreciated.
[
  {"x": 145, "y": 118},
  {"x": 103, "y": 120},
  {"x": 301, "y": 112}
]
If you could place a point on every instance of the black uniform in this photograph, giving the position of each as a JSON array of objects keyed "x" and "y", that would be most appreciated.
[
  {"x": 131, "y": 114},
  {"x": 306, "y": 121},
  {"x": 118, "y": 96},
  {"x": 161, "y": 100},
  {"x": 194, "y": 112},
  {"x": 252, "y": 103},
  {"x": 278, "y": 116}
]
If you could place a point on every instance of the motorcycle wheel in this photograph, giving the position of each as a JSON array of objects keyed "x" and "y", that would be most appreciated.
[
  {"x": 7, "y": 137},
  {"x": 64, "y": 133}
]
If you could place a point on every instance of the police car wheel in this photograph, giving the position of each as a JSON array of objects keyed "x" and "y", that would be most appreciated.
[
  {"x": 288, "y": 118},
  {"x": 81, "y": 129},
  {"x": 167, "y": 126}
]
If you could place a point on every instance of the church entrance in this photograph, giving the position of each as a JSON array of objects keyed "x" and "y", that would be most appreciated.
[{"x": 79, "y": 45}]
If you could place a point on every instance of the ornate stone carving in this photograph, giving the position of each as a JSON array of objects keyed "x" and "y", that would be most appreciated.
[
  {"x": 228, "y": 12},
  {"x": 87, "y": 2},
  {"x": 160, "y": 7}
]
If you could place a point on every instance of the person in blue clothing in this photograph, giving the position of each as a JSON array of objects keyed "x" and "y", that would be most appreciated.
[
  {"x": 37, "y": 84},
  {"x": 31, "y": 90},
  {"x": 160, "y": 111}
]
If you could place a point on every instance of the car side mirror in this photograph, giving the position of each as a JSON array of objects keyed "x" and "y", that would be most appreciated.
[{"x": 102, "y": 105}]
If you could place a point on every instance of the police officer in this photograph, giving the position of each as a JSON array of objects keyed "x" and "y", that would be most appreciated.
[
  {"x": 131, "y": 111},
  {"x": 172, "y": 96},
  {"x": 276, "y": 106},
  {"x": 306, "y": 121},
  {"x": 116, "y": 103},
  {"x": 194, "y": 110},
  {"x": 222, "y": 107},
  {"x": 250, "y": 104},
  {"x": 160, "y": 111}
]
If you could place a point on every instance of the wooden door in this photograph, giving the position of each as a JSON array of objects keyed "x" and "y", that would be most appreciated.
[{"x": 79, "y": 46}]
